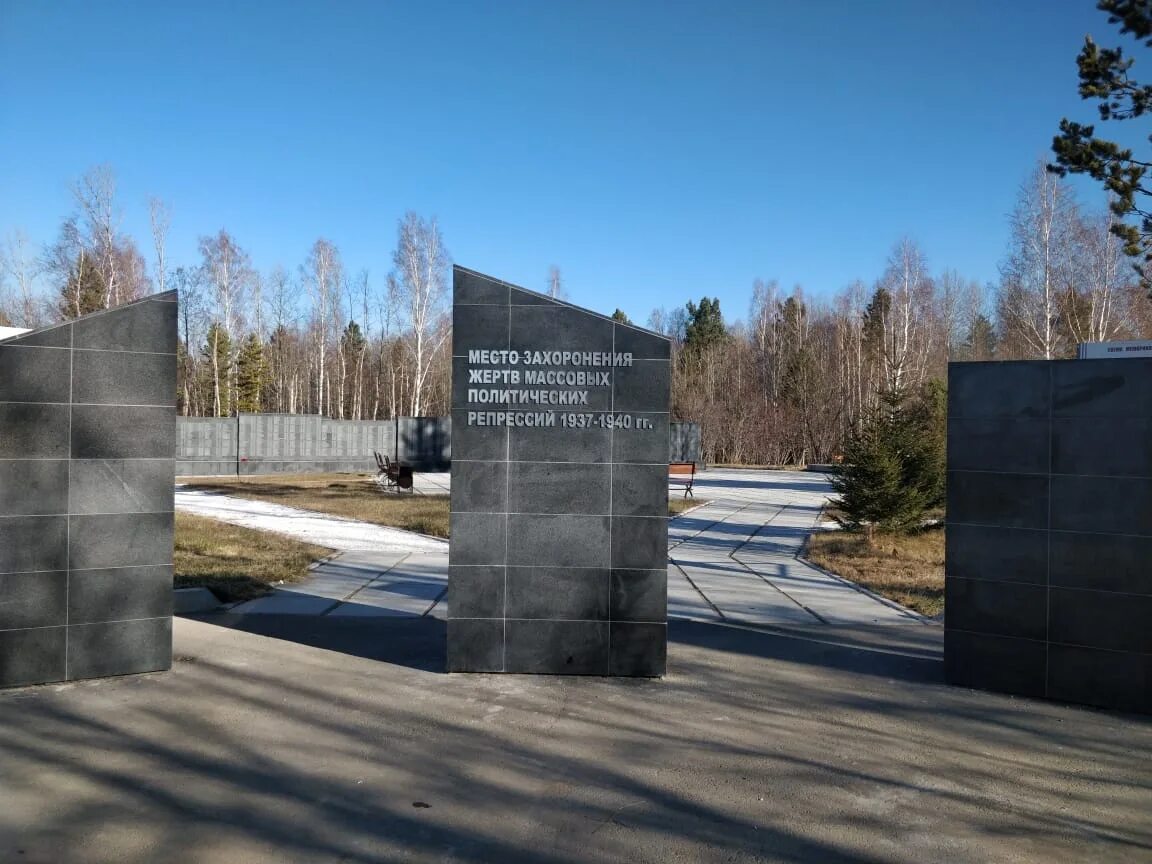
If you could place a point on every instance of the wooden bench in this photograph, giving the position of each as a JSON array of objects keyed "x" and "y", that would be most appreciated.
[
  {"x": 392, "y": 475},
  {"x": 682, "y": 473}
]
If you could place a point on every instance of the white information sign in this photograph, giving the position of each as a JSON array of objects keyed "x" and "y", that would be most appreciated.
[{"x": 1115, "y": 350}]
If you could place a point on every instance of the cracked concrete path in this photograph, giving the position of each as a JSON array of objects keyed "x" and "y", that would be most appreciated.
[{"x": 732, "y": 560}]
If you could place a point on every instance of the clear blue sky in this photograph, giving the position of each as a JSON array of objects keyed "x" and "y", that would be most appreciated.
[{"x": 654, "y": 151}]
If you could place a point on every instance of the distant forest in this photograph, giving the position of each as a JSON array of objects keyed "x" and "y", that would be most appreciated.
[{"x": 783, "y": 385}]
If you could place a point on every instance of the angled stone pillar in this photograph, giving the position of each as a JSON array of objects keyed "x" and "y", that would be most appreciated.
[
  {"x": 1049, "y": 558},
  {"x": 559, "y": 545},
  {"x": 87, "y": 444}
]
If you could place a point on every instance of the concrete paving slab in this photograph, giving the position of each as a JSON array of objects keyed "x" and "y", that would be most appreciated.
[
  {"x": 742, "y": 596},
  {"x": 738, "y": 555}
]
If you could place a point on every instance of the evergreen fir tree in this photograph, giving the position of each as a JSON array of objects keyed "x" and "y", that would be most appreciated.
[
  {"x": 620, "y": 316},
  {"x": 980, "y": 343},
  {"x": 894, "y": 470},
  {"x": 251, "y": 375},
  {"x": 705, "y": 325},
  {"x": 83, "y": 292}
]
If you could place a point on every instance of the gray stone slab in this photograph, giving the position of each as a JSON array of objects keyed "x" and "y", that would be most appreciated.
[
  {"x": 556, "y": 487},
  {"x": 639, "y": 595},
  {"x": 558, "y": 328},
  {"x": 120, "y": 540},
  {"x": 647, "y": 446},
  {"x": 561, "y": 541},
  {"x": 117, "y": 432},
  {"x": 999, "y": 390},
  {"x": 149, "y": 325},
  {"x": 34, "y": 374},
  {"x": 588, "y": 445},
  {"x": 35, "y": 656},
  {"x": 989, "y": 662},
  {"x": 558, "y": 592},
  {"x": 1114, "y": 389},
  {"x": 998, "y": 608},
  {"x": 478, "y": 538},
  {"x": 479, "y": 328},
  {"x": 1119, "y": 680},
  {"x": 475, "y": 645},
  {"x": 557, "y": 647},
  {"x": 638, "y": 649},
  {"x": 480, "y": 487},
  {"x": 1118, "y": 446},
  {"x": 997, "y": 554},
  {"x": 640, "y": 490},
  {"x": 642, "y": 387},
  {"x": 58, "y": 336},
  {"x": 121, "y": 485},
  {"x": 471, "y": 288},
  {"x": 1108, "y": 505},
  {"x": 476, "y": 592},
  {"x": 1100, "y": 619},
  {"x": 33, "y": 600},
  {"x": 123, "y": 378},
  {"x": 478, "y": 442},
  {"x": 119, "y": 593},
  {"x": 119, "y": 648},
  {"x": 33, "y": 543},
  {"x": 31, "y": 487},
  {"x": 639, "y": 542},
  {"x": 33, "y": 431},
  {"x": 1004, "y": 500},
  {"x": 1014, "y": 445},
  {"x": 1101, "y": 562},
  {"x": 641, "y": 344}
]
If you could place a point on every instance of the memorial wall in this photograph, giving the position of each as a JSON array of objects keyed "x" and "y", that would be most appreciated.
[
  {"x": 1049, "y": 546},
  {"x": 87, "y": 438},
  {"x": 560, "y": 440}
]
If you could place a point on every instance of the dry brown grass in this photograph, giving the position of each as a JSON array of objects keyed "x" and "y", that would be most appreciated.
[
  {"x": 354, "y": 496},
  {"x": 906, "y": 568},
  {"x": 237, "y": 563},
  {"x": 678, "y": 505}
]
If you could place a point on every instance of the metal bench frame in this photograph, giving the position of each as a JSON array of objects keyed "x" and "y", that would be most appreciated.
[
  {"x": 392, "y": 476},
  {"x": 686, "y": 475}
]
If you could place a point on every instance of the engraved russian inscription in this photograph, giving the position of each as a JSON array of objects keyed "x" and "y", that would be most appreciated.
[{"x": 553, "y": 407}]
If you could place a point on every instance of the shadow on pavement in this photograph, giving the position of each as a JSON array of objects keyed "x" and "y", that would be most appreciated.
[
  {"x": 251, "y": 750},
  {"x": 910, "y": 652}
]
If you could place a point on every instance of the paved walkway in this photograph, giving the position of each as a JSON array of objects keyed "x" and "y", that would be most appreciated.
[{"x": 732, "y": 560}]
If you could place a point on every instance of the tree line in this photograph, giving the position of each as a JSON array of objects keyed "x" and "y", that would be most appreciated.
[
  {"x": 790, "y": 383},
  {"x": 786, "y": 384}
]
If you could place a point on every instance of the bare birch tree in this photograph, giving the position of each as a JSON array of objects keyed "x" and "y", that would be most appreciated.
[
  {"x": 227, "y": 272},
  {"x": 95, "y": 195},
  {"x": 160, "y": 218},
  {"x": 323, "y": 274},
  {"x": 907, "y": 334},
  {"x": 421, "y": 263},
  {"x": 555, "y": 287},
  {"x": 1038, "y": 269},
  {"x": 19, "y": 268}
]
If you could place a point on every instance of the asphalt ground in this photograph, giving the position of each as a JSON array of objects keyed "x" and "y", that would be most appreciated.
[{"x": 306, "y": 739}]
